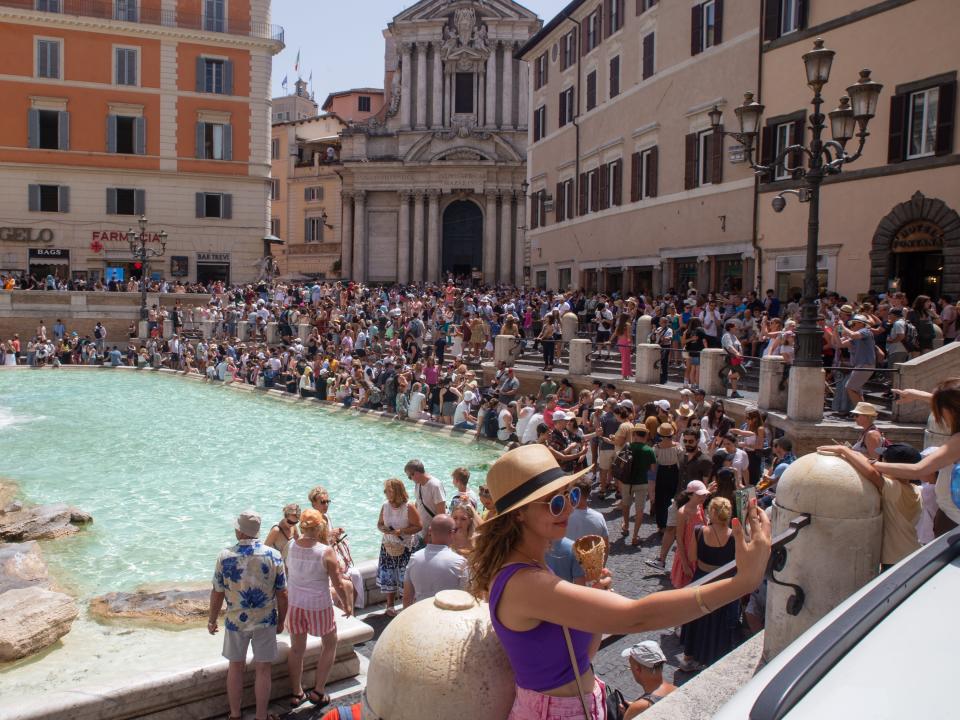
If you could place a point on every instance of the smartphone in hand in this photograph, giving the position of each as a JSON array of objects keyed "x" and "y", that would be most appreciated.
[{"x": 742, "y": 498}]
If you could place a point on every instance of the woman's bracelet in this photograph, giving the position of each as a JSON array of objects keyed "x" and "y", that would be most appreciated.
[{"x": 699, "y": 598}]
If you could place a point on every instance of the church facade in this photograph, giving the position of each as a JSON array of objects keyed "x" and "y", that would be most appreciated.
[{"x": 434, "y": 184}]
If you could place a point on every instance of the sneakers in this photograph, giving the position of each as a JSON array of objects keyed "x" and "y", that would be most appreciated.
[{"x": 656, "y": 564}]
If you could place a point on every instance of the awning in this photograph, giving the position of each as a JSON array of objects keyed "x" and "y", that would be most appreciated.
[{"x": 274, "y": 240}]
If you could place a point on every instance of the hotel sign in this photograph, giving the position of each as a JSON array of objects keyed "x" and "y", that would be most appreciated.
[
  {"x": 918, "y": 236},
  {"x": 26, "y": 235}
]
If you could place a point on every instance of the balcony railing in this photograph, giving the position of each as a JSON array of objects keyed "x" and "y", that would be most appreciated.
[{"x": 129, "y": 11}]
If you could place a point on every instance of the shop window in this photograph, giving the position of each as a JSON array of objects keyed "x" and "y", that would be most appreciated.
[
  {"x": 541, "y": 279},
  {"x": 729, "y": 275},
  {"x": 564, "y": 278},
  {"x": 686, "y": 272}
]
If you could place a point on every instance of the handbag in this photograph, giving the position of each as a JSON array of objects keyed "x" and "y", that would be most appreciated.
[
  {"x": 622, "y": 465},
  {"x": 615, "y": 704}
]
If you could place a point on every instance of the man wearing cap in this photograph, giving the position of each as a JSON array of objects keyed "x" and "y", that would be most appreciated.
[
  {"x": 858, "y": 338},
  {"x": 646, "y": 660},
  {"x": 462, "y": 418},
  {"x": 250, "y": 577}
]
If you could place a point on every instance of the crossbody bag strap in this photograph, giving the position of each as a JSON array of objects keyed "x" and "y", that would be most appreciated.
[{"x": 576, "y": 672}]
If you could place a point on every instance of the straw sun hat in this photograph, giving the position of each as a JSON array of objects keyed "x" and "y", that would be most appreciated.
[{"x": 526, "y": 474}]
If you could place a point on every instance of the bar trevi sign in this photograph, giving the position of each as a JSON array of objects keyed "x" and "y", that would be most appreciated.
[
  {"x": 918, "y": 236},
  {"x": 26, "y": 235},
  {"x": 213, "y": 257}
]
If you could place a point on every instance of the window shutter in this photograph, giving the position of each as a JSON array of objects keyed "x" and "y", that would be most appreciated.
[
  {"x": 946, "y": 109},
  {"x": 584, "y": 36},
  {"x": 717, "y": 22},
  {"x": 604, "y": 187},
  {"x": 64, "y": 199},
  {"x": 716, "y": 147},
  {"x": 228, "y": 77},
  {"x": 132, "y": 67},
  {"x": 768, "y": 142},
  {"x": 33, "y": 128},
  {"x": 607, "y": 28},
  {"x": 614, "y": 76},
  {"x": 803, "y": 11},
  {"x": 562, "y": 114},
  {"x": 111, "y": 201},
  {"x": 771, "y": 19},
  {"x": 534, "y": 211},
  {"x": 618, "y": 183},
  {"x": 690, "y": 162},
  {"x": 648, "y": 55},
  {"x": 111, "y": 133},
  {"x": 559, "y": 209},
  {"x": 43, "y": 68},
  {"x": 582, "y": 191},
  {"x": 600, "y": 21},
  {"x": 201, "y": 205},
  {"x": 140, "y": 202},
  {"x": 63, "y": 141},
  {"x": 54, "y": 60},
  {"x": 635, "y": 165},
  {"x": 592, "y": 90},
  {"x": 898, "y": 116},
  {"x": 306, "y": 230},
  {"x": 696, "y": 29},
  {"x": 33, "y": 198},
  {"x": 546, "y": 68},
  {"x": 140, "y": 135},
  {"x": 228, "y": 142},
  {"x": 201, "y": 130},
  {"x": 652, "y": 163},
  {"x": 796, "y": 138},
  {"x": 201, "y": 74},
  {"x": 595, "y": 189},
  {"x": 226, "y": 206}
]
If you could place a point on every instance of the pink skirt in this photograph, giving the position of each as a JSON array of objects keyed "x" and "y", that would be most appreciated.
[
  {"x": 313, "y": 622},
  {"x": 533, "y": 705}
]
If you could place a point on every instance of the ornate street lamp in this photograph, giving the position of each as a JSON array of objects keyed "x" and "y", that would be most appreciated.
[
  {"x": 824, "y": 157},
  {"x": 143, "y": 254}
]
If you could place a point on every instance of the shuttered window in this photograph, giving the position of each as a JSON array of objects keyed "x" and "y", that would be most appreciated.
[
  {"x": 593, "y": 181},
  {"x": 313, "y": 229},
  {"x": 643, "y": 174},
  {"x": 214, "y": 205},
  {"x": 706, "y": 25},
  {"x": 566, "y": 107},
  {"x": 126, "y": 201},
  {"x": 126, "y": 135},
  {"x": 703, "y": 159},
  {"x": 274, "y": 189},
  {"x": 614, "y": 76},
  {"x": 314, "y": 192},
  {"x": 214, "y": 141},
  {"x": 48, "y": 198},
  {"x": 922, "y": 119},
  {"x": 591, "y": 90},
  {"x": 539, "y": 123},
  {"x": 648, "y": 48},
  {"x": 644, "y": 5},
  {"x": 568, "y": 50},
  {"x": 48, "y": 129},
  {"x": 48, "y": 59},
  {"x": 125, "y": 64},
  {"x": 215, "y": 15},
  {"x": 591, "y": 29},
  {"x": 214, "y": 75},
  {"x": 614, "y": 11},
  {"x": 782, "y": 17},
  {"x": 540, "y": 71}
]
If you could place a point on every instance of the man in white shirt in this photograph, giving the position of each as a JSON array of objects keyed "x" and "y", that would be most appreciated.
[
  {"x": 415, "y": 408},
  {"x": 431, "y": 500},
  {"x": 711, "y": 320},
  {"x": 741, "y": 461},
  {"x": 530, "y": 429},
  {"x": 462, "y": 419},
  {"x": 505, "y": 428},
  {"x": 436, "y": 567}
]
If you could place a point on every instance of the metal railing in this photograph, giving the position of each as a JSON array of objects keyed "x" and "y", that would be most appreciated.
[{"x": 121, "y": 11}]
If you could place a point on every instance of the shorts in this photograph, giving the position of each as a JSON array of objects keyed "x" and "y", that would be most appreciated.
[
  {"x": 858, "y": 379},
  {"x": 311, "y": 622},
  {"x": 532, "y": 705},
  {"x": 672, "y": 515},
  {"x": 605, "y": 461},
  {"x": 757, "y": 605},
  {"x": 694, "y": 359},
  {"x": 633, "y": 495},
  {"x": 264, "y": 639}
]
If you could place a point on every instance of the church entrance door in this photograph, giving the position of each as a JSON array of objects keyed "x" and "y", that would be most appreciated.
[{"x": 462, "y": 239}]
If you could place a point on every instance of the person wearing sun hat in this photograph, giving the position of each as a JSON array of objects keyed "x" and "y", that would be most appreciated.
[
  {"x": 668, "y": 473},
  {"x": 870, "y": 442},
  {"x": 532, "y": 610}
]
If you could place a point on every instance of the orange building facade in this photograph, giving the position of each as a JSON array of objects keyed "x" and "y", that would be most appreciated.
[{"x": 115, "y": 109}]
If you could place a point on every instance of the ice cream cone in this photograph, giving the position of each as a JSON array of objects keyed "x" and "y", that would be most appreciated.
[{"x": 591, "y": 554}]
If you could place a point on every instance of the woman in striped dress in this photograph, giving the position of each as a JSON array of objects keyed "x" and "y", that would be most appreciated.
[{"x": 312, "y": 569}]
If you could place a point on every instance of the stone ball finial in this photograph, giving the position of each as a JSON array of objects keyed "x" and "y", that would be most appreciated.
[
  {"x": 434, "y": 657},
  {"x": 827, "y": 486}
]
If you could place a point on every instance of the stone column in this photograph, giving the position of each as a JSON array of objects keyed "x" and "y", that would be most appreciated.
[
  {"x": 417, "y": 236},
  {"x": 507, "y": 85},
  {"x": 403, "y": 239},
  {"x": 805, "y": 394},
  {"x": 656, "y": 279},
  {"x": 771, "y": 397},
  {"x": 711, "y": 360},
  {"x": 644, "y": 327},
  {"x": 422, "y": 85},
  {"x": 479, "y": 89},
  {"x": 523, "y": 98},
  {"x": 360, "y": 236},
  {"x": 506, "y": 234},
  {"x": 406, "y": 84},
  {"x": 491, "y": 88},
  {"x": 346, "y": 235},
  {"x": 503, "y": 349},
  {"x": 703, "y": 276},
  {"x": 433, "y": 237},
  {"x": 448, "y": 84},
  {"x": 490, "y": 239},
  {"x": 647, "y": 372},
  {"x": 437, "y": 88}
]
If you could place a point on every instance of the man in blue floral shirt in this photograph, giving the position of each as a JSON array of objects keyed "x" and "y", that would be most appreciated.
[{"x": 250, "y": 577}]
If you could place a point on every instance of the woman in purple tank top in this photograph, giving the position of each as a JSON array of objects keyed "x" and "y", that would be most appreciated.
[{"x": 530, "y": 606}]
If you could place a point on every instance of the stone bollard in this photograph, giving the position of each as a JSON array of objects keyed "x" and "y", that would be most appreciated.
[
  {"x": 644, "y": 328},
  {"x": 503, "y": 349},
  {"x": 143, "y": 329},
  {"x": 272, "y": 333},
  {"x": 569, "y": 324},
  {"x": 647, "y": 372},
  {"x": 711, "y": 361},
  {"x": 771, "y": 376},
  {"x": 456, "y": 346},
  {"x": 304, "y": 330},
  {"x": 415, "y": 674},
  {"x": 580, "y": 361},
  {"x": 243, "y": 330},
  {"x": 168, "y": 328},
  {"x": 831, "y": 558},
  {"x": 206, "y": 328},
  {"x": 805, "y": 393}
]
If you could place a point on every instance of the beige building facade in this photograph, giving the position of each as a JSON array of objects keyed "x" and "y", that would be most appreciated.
[
  {"x": 305, "y": 196},
  {"x": 161, "y": 109},
  {"x": 356, "y": 105},
  {"x": 299, "y": 105},
  {"x": 630, "y": 189},
  {"x": 433, "y": 184},
  {"x": 888, "y": 221}
]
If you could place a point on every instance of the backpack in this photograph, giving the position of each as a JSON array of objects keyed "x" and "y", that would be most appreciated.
[
  {"x": 416, "y": 328},
  {"x": 491, "y": 424},
  {"x": 911, "y": 337},
  {"x": 622, "y": 465}
]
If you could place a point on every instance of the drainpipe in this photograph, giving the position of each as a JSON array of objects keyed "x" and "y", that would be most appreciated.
[
  {"x": 757, "y": 252},
  {"x": 576, "y": 117}
]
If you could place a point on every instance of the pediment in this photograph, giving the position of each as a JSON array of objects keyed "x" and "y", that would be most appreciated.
[{"x": 485, "y": 10}]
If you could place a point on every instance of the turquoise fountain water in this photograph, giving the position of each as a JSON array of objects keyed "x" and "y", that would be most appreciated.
[{"x": 164, "y": 465}]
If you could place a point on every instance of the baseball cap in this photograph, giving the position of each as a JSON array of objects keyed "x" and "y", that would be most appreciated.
[
  {"x": 598, "y": 403},
  {"x": 559, "y": 415},
  {"x": 901, "y": 453},
  {"x": 627, "y": 403},
  {"x": 570, "y": 416},
  {"x": 248, "y": 522},
  {"x": 663, "y": 405},
  {"x": 646, "y": 652},
  {"x": 468, "y": 396},
  {"x": 696, "y": 487}
]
